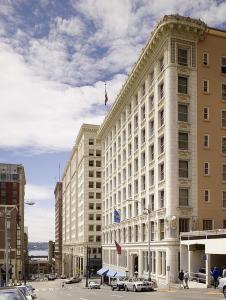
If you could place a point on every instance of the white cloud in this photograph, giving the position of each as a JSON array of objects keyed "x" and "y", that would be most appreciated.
[
  {"x": 72, "y": 26},
  {"x": 38, "y": 193}
]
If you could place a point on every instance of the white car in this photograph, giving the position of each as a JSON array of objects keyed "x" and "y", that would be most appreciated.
[
  {"x": 25, "y": 292},
  {"x": 222, "y": 286},
  {"x": 93, "y": 285},
  {"x": 137, "y": 285}
]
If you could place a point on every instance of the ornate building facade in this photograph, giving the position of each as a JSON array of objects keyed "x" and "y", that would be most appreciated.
[{"x": 158, "y": 143}]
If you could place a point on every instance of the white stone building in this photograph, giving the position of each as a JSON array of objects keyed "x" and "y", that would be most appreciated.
[
  {"x": 81, "y": 204},
  {"x": 150, "y": 155}
]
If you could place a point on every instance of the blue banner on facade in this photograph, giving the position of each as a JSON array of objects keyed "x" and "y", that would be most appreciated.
[{"x": 116, "y": 216}]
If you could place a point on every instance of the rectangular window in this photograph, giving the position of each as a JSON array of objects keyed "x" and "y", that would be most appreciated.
[
  {"x": 162, "y": 229},
  {"x": 223, "y": 118},
  {"x": 206, "y": 113},
  {"x": 205, "y": 86},
  {"x": 224, "y": 224},
  {"x": 151, "y": 152},
  {"x": 161, "y": 145},
  {"x": 206, "y": 168},
  {"x": 152, "y": 177},
  {"x": 91, "y": 195},
  {"x": 98, "y": 152},
  {"x": 224, "y": 173},
  {"x": 91, "y": 163},
  {"x": 183, "y": 56},
  {"x": 135, "y": 143},
  {"x": 135, "y": 121},
  {"x": 161, "y": 63},
  {"x": 206, "y": 59},
  {"x": 142, "y": 113},
  {"x": 143, "y": 160},
  {"x": 143, "y": 89},
  {"x": 98, "y": 163},
  {"x": 151, "y": 128},
  {"x": 162, "y": 199},
  {"x": 207, "y": 224},
  {"x": 151, "y": 77},
  {"x": 151, "y": 103},
  {"x": 183, "y": 169},
  {"x": 91, "y": 141},
  {"x": 183, "y": 140},
  {"x": 183, "y": 112},
  {"x": 91, "y": 184},
  {"x": 206, "y": 195},
  {"x": 161, "y": 118},
  {"x": 161, "y": 172},
  {"x": 224, "y": 145},
  {"x": 223, "y": 65},
  {"x": 223, "y": 91},
  {"x": 183, "y": 225},
  {"x": 183, "y": 197},
  {"x": 143, "y": 136},
  {"x": 91, "y": 173},
  {"x": 161, "y": 91},
  {"x": 182, "y": 84},
  {"x": 224, "y": 199},
  {"x": 206, "y": 141}
]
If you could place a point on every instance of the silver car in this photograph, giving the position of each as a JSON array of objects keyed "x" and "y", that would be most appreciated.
[
  {"x": 137, "y": 285},
  {"x": 222, "y": 286}
]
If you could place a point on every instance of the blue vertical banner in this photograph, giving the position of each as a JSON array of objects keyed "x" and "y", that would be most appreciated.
[{"x": 116, "y": 216}]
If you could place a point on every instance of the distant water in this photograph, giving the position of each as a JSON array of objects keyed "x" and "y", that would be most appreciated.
[{"x": 38, "y": 252}]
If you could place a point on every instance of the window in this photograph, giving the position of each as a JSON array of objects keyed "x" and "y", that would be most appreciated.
[
  {"x": 151, "y": 76},
  {"x": 91, "y": 205},
  {"x": 224, "y": 173},
  {"x": 98, "y": 174},
  {"x": 136, "y": 165},
  {"x": 98, "y": 163},
  {"x": 207, "y": 224},
  {"x": 91, "y": 163},
  {"x": 223, "y": 91},
  {"x": 162, "y": 230},
  {"x": 183, "y": 169},
  {"x": 142, "y": 113},
  {"x": 151, "y": 177},
  {"x": 98, "y": 195},
  {"x": 182, "y": 84},
  {"x": 91, "y": 141},
  {"x": 223, "y": 118},
  {"x": 224, "y": 224},
  {"x": 143, "y": 136},
  {"x": 206, "y": 141},
  {"x": 161, "y": 145},
  {"x": 91, "y": 152},
  {"x": 183, "y": 112},
  {"x": 129, "y": 149},
  {"x": 129, "y": 129},
  {"x": 161, "y": 199},
  {"x": 151, "y": 152},
  {"x": 91, "y": 195},
  {"x": 143, "y": 160},
  {"x": 206, "y": 86},
  {"x": 91, "y": 227},
  {"x": 98, "y": 217},
  {"x": 91, "y": 238},
  {"x": 224, "y": 145},
  {"x": 183, "y": 140},
  {"x": 206, "y": 59},
  {"x": 206, "y": 168},
  {"x": 206, "y": 113},
  {"x": 135, "y": 121},
  {"x": 129, "y": 170},
  {"x": 183, "y": 197},
  {"x": 143, "y": 89},
  {"x": 98, "y": 238},
  {"x": 183, "y": 56},
  {"x": 136, "y": 187},
  {"x": 161, "y": 63},
  {"x": 151, "y": 128},
  {"x": 91, "y": 173},
  {"x": 224, "y": 199},
  {"x": 183, "y": 225},
  {"x": 136, "y": 100},
  {"x": 152, "y": 231},
  {"x": 91, "y": 217},
  {"x": 129, "y": 109},
  {"x": 161, "y": 118},
  {"x": 151, "y": 103},
  {"x": 161, "y": 172},
  {"x": 98, "y": 185},
  {"x": 91, "y": 184},
  {"x": 135, "y": 143},
  {"x": 98, "y": 152},
  {"x": 206, "y": 195},
  {"x": 223, "y": 65},
  {"x": 143, "y": 183},
  {"x": 161, "y": 91},
  {"x": 98, "y": 227}
]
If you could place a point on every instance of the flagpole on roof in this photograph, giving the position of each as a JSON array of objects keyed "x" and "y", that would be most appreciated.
[{"x": 105, "y": 97}]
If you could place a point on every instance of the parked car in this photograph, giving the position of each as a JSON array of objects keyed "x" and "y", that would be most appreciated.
[
  {"x": 222, "y": 286},
  {"x": 32, "y": 291},
  {"x": 93, "y": 285},
  {"x": 137, "y": 284},
  {"x": 118, "y": 283},
  {"x": 73, "y": 280},
  {"x": 11, "y": 293},
  {"x": 25, "y": 291},
  {"x": 63, "y": 276},
  {"x": 51, "y": 277}
]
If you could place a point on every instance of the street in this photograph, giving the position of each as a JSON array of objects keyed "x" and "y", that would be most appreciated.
[{"x": 53, "y": 290}]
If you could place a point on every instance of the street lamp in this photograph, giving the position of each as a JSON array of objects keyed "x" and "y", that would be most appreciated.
[{"x": 147, "y": 211}]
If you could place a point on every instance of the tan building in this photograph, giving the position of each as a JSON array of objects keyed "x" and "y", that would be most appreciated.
[
  {"x": 164, "y": 149},
  {"x": 81, "y": 205},
  {"x": 58, "y": 228},
  {"x": 12, "y": 183}
]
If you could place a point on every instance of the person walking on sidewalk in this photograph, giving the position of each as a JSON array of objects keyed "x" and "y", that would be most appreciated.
[
  {"x": 181, "y": 279},
  {"x": 215, "y": 274},
  {"x": 186, "y": 278}
]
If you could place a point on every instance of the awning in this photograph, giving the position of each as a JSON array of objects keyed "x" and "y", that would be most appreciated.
[
  {"x": 111, "y": 273},
  {"x": 120, "y": 274},
  {"x": 102, "y": 271}
]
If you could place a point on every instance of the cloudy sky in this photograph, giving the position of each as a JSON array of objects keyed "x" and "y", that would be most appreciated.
[{"x": 55, "y": 56}]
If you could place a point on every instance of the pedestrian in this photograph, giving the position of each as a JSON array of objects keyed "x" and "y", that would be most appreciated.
[
  {"x": 186, "y": 278},
  {"x": 63, "y": 284},
  {"x": 224, "y": 272},
  {"x": 215, "y": 274},
  {"x": 181, "y": 279}
]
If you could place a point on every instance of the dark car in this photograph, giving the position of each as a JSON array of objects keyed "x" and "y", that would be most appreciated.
[
  {"x": 51, "y": 277},
  {"x": 11, "y": 293},
  {"x": 73, "y": 280}
]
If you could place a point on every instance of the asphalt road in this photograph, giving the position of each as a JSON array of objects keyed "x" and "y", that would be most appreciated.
[{"x": 53, "y": 290}]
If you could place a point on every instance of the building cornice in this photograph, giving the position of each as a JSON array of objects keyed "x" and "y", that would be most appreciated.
[{"x": 168, "y": 24}]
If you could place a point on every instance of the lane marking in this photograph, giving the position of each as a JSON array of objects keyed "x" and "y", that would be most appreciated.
[{"x": 83, "y": 299}]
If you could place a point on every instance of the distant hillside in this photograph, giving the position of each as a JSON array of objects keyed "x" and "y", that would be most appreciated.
[{"x": 37, "y": 246}]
